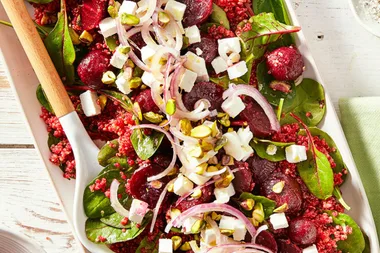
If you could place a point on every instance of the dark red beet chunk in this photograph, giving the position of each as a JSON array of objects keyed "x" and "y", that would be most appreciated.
[
  {"x": 92, "y": 12},
  {"x": 197, "y": 11},
  {"x": 285, "y": 63},
  {"x": 266, "y": 239},
  {"x": 207, "y": 196},
  {"x": 302, "y": 231},
  {"x": 286, "y": 246},
  {"x": 243, "y": 181},
  {"x": 262, "y": 169},
  {"x": 209, "y": 47},
  {"x": 257, "y": 120},
  {"x": 144, "y": 98},
  {"x": 291, "y": 193},
  {"x": 138, "y": 40},
  {"x": 207, "y": 90},
  {"x": 92, "y": 67}
]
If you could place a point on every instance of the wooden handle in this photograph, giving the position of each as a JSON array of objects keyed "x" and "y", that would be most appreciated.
[{"x": 38, "y": 56}]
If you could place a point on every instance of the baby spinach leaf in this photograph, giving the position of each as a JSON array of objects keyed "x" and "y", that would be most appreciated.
[
  {"x": 108, "y": 151},
  {"x": 268, "y": 205},
  {"x": 124, "y": 100},
  {"x": 260, "y": 146},
  {"x": 114, "y": 220},
  {"x": 367, "y": 248},
  {"x": 146, "y": 145},
  {"x": 219, "y": 16},
  {"x": 52, "y": 140},
  {"x": 41, "y": 97},
  {"x": 60, "y": 47},
  {"x": 338, "y": 195},
  {"x": 355, "y": 242},
  {"x": 149, "y": 246},
  {"x": 224, "y": 81},
  {"x": 309, "y": 98},
  {"x": 95, "y": 228},
  {"x": 40, "y": 1}
]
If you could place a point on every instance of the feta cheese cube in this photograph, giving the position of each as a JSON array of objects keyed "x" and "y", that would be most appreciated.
[
  {"x": 165, "y": 246},
  {"x": 233, "y": 106},
  {"x": 118, "y": 59},
  {"x": 188, "y": 80},
  {"x": 137, "y": 211},
  {"x": 170, "y": 28},
  {"x": 147, "y": 53},
  {"x": 193, "y": 34},
  {"x": 175, "y": 8},
  {"x": 108, "y": 27},
  {"x": 219, "y": 65},
  {"x": 188, "y": 224},
  {"x": 148, "y": 79},
  {"x": 295, "y": 153},
  {"x": 278, "y": 220},
  {"x": 227, "y": 222},
  {"x": 235, "y": 148},
  {"x": 179, "y": 23},
  {"x": 182, "y": 185},
  {"x": 310, "y": 249},
  {"x": 198, "y": 51},
  {"x": 197, "y": 179},
  {"x": 223, "y": 195},
  {"x": 123, "y": 85},
  {"x": 198, "y": 65},
  {"x": 209, "y": 236},
  {"x": 246, "y": 152},
  {"x": 229, "y": 45},
  {"x": 237, "y": 70},
  {"x": 89, "y": 102},
  {"x": 271, "y": 149},
  {"x": 128, "y": 7},
  {"x": 240, "y": 231},
  {"x": 245, "y": 135}
]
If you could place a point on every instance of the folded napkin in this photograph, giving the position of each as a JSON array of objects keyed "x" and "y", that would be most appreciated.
[{"x": 360, "y": 118}]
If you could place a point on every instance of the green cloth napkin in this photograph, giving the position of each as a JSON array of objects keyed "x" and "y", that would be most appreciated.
[{"x": 360, "y": 119}]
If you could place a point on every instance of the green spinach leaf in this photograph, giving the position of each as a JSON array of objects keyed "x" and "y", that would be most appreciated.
[
  {"x": 268, "y": 205},
  {"x": 224, "y": 81},
  {"x": 61, "y": 48},
  {"x": 124, "y": 100},
  {"x": 52, "y": 140},
  {"x": 338, "y": 195},
  {"x": 114, "y": 220},
  {"x": 219, "y": 16},
  {"x": 41, "y": 97},
  {"x": 146, "y": 145},
  {"x": 260, "y": 147},
  {"x": 95, "y": 228},
  {"x": 309, "y": 97},
  {"x": 108, "y": 151},
  {"x": 40, "y": 1},
  {"x": 147, "y": 245}
]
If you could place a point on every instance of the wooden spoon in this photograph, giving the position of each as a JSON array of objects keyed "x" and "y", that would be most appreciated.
[{"x": 85, "y": 151}]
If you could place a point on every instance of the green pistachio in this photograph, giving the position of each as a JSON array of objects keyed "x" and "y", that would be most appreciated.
[
  {"x": 281, "y": 209},
  {"x": 201, "y": 131},
  {"x": 137, "y": 110},
  {"x": 124, "y": 49},
  {"x": 102, "y": 101},
  {"x": 153, "y": 117},
  {"x": 171, "y": 107},
  {"x": 197, "y": 226},
  {"x": 220, "y": 143},
  {"x": 86, "y": 37},
  {"x": 108, "y": 77},
  {"x": 177, "y": 241},
  {"x": 129, "y": 19},
  {"x": 112, "y": 11},
  {"x": 278, "y": 187},
  {"x": 163, "y": 18},
  {"x": 134, "y": 82}
]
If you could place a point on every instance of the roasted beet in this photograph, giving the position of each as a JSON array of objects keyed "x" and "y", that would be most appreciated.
[
  {"x": 138, "y": 41},
  {"x": 209, "y": 47},
  {"x": 291, "y": 193},
  {"x": 285, "y": 63},
  {"x": 197, "y": 11},
  {"x": 302, "y": 231},
  {"x": 286, "y": 246},
  {"x": 262, "y": 169},
  {"x": 92, "y": 12},
  {"x": 266, "y": 239},
  {"x": 92, "y": 67},
  {"x": 256, "y": 118},
  {"x": 207, "y": 90},
  {"x": 207, "y": 196},
  {"x": 144, "y": 98},
  {"x": 243, "y": 181}
]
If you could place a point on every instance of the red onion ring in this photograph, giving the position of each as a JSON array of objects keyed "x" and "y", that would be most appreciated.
[
  {"x": 151, "y": 7},
  {"x": 242, "y": 245},
  {"x": 115, "y": 200},
  {"x": 259, "y": 230}
]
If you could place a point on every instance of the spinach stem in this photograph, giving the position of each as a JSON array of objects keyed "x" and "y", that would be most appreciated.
[
  {"x": 5, "y": 23},
  {"x": 279, "y": 110}
]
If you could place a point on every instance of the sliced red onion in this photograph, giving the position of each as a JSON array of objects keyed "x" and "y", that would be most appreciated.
[
  {"x": 174, "y": 88},
  {"x": 239, "y": 246},
  {"x": 170, "y": 138},
  {"x": 211, "y": 207},
  {"x": 156, "y": 96},
  {"x": 145, "y": 34},
  {"x": 167, "y": 77},
  {"x": 178, "y": 33},
  {"x": 259, "y": 230},
  {"x": 133, "y": 31},
  {"x": 206, "y": 103},
  {"x": 216, "y": 230},
  {"x": 149, "y": 12},
  {"x": 158, "y": 205},
  {"x": 177, "y": 133},
  {"x": 115, "y": 200},
  {"x": 156, "y": 66},
  {"x": 194, "y": 247},
  {"x": 122, "y": 34},
  {"x": 195, "y": 115},
  {"x": 138, "y": 62},
  {"x": 247, "y": 90},
  {"x": 215, "y": 173}
]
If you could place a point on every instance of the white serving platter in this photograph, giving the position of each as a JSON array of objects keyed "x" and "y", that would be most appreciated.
[{"x": 24, "y": 83}]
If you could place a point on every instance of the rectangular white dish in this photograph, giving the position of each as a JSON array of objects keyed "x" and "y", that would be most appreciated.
[{"x": 24, "y": 82}]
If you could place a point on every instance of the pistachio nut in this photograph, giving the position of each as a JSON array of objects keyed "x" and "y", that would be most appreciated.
[
  {"x": 171, "y": 107},
  {"x": 177, "y": 241},
  {"x": 108, "y": 77},
  {"x": 129, "y": 19},
  {"x": 86, "y": 37},
  {"x": 278, "y": 187},
  {"x": 153, "y": 117},
  {"x": 200, "y": 131}
]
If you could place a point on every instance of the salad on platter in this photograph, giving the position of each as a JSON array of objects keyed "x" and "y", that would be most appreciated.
[{"x": 207, "y": 127}]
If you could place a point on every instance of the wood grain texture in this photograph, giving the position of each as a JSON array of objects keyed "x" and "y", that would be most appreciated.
[{"x": 347, "y": 56}]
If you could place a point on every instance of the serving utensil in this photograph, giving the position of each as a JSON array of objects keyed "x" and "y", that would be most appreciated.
[{"x": 85, "y": 151}]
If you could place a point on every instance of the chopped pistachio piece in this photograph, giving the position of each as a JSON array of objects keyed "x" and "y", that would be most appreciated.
[
  {"x": 174, "y": 213},
  {"x": 278, "y": 187},
  {"x": 226, "y": 232},
  {"x": 156, "y": 184},
  {"x": 212, "y": 169},
  {"x": 220, "y": 143},
  {"x": 137, "y": 110},
  {"x": 171, "y": 187},
  {"x": 207, "y": 146},
  {"x": 86, "y": 37},
  {"x": 213, "y": 160},
  {"x": 197, "y": 226},
  {"x": 200, "y": 169},
  {"x": 170, "y": 107},
  {"x": 130, "y": 63},
  {"x": 271, "y": 149},
  {"x": 185, "y": 126},
  {"x": 281, "y": 209},
  {"x": 153, "y": 117},
  {"x": 248, "y": 204},
  {"x": 129, "y": 19},
  {"x": 112, "y": 11},
  {"x": 258, "y": 212},
  {"x": 74, "y": 36},
  {"x": 134, "y": 82},
  {"x": 215, "y": 216},
  {"x": 108, "y": 77},
  {"x": 177, "y": 241},
  {"x": 185, "y": 247},
  {"x": 196, "y": 194},
  {"x": 196, "y": 151},
  {"x": 102, "y": 101},
  {"x": 124, "y": 49},
  {"x": 200, "y": 131},
  {"x": 163, "y": 18}
]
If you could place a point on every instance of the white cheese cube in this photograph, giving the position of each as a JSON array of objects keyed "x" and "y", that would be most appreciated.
[
  {"x": 175, "y": 8},
  {"x": 108, "y": 27},
  {"x": 229, "y": 45},
  {"x": 227, "y": 222},
  {"x": 271, "y": 149},
  {"x": 179, "y": 23},
  {"x": 198, "y": 51},
  {"x": 219, "y": 65},
  {"x": 193, "y": 34},
  {"x": 182, "y": 185},
  {"x": 147, "y": 53},
  {"x": 237, "y": 70},
  {"x": 235, "y": 148},
  {"x": 240, "y": 231},
  {"x": 128, "y": 7},
  {"x": 123, "y": 85},
  {"x": 165, "y": 246},
  {"x": 247, "y": 151},
  {"x": 137, "y": 211},
  {"x": 89, "y": 102},
  {"x": 295, "y": 153},
  {"x": 170, "y": 28},
  {"x": 118, "y": 59},
  {"x": 310, "y": 249},
  {"x": 233, "y": 106},
  {"x": 197, "y": 179},
  {"x": 278, "y": 221},
  {"x": 188, "y": 80},
  {"x": 148, "y": 79},
  {"x": 209, "y": 236},
  {"x": 188, "y": 224},
  {"x": 223, "y": 195},
  {"x": 198, "y": 65},
  {"x": 245, "y": 135}
]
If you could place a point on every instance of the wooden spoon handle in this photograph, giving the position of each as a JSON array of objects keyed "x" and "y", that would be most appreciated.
[{"x": 38, "y": 56}]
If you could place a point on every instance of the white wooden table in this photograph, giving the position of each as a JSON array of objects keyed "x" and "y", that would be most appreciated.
[{"x": 349, "y": 61}]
